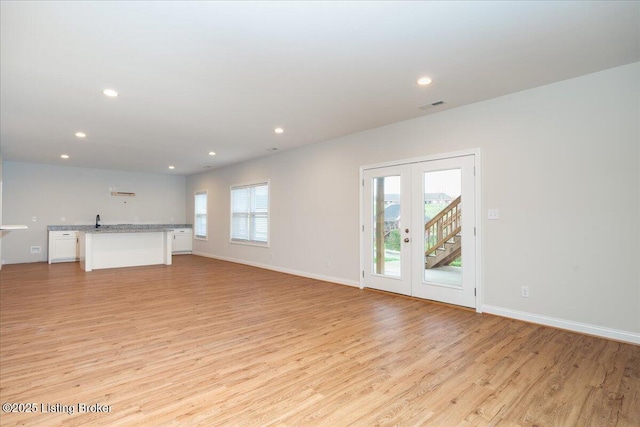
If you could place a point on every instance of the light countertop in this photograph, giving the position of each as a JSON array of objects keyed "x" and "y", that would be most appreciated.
[{"x": 119, "y": 228}]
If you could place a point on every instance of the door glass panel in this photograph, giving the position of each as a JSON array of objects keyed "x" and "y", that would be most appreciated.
[
  {"x": 443, "y": 227},
  {"x": 386, "y": 226}
]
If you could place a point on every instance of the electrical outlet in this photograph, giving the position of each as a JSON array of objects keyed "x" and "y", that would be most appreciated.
[
  {"x": 525, "y": 291},
  {"x": 34, "y": 219},
  {"x": 493, "y": 214},
  {"x": 35, "y": 249}
]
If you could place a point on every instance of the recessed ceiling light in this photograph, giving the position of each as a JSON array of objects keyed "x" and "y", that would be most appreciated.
[
  {"x": 423, "y": 81},
  {"x": 278, "y": 130},
  {"x": 81, "y": 134},
  {"x": 110, "y": 93},
  {"x": 212, "y": 153},
  {"x": 64, "y": 156},
  {"x": 172, "y": 167}
]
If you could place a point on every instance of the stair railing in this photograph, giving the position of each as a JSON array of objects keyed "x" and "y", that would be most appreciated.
[{"x": 443, "y": 226}]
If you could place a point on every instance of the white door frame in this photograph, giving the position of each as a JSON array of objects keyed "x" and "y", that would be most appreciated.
[
  {"x": 478, "y": 210},
  {"x": 397, "y": 284}
]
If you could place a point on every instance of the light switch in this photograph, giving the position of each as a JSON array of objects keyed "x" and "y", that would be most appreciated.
[{"x": 493, "y": 214}]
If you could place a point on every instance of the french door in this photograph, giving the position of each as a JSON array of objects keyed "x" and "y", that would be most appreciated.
[{"x": 419, "y": 229}]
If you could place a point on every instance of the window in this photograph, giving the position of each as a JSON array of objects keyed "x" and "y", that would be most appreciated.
[
  {"x": 200, "y": 221},
  {"x": 250, "y": 213}
]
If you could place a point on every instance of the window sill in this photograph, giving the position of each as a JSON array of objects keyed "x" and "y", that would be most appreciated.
[{"x": 249, "y": 243}]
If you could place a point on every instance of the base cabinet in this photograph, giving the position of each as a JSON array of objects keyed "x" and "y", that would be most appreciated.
[
  {"x": 182, "y": 240},
  {"x": 63, "y": 246}
]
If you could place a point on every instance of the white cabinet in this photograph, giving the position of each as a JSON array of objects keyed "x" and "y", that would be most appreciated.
[
  {"x": 63, "y": 246},
  {"x": 182, "y": 240}
]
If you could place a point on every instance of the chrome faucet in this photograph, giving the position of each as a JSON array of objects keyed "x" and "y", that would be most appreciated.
[{"x": 97, "y": 221}]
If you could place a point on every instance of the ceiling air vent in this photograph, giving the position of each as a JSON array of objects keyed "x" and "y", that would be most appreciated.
[{"x": 433, "y": 104}]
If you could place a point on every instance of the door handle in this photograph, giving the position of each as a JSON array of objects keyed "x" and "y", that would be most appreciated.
[{"x": 406, "y": 240}]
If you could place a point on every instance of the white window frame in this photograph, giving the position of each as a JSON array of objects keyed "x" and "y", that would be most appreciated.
[
  {"x": 195, "y": 216},
  {"x": 250, "y": 242}
]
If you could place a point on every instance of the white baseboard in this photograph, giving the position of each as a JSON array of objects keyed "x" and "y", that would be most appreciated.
[
  {"x": 321, "y": 277},
  {"x": 599, "y": 331}
]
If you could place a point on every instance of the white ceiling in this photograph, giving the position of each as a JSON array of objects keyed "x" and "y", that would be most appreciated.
[{"x": 200, "y": 76}]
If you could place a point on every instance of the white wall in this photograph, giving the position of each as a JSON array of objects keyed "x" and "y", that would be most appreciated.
[
  {"x": 561, "y": 162},
  {"x": 1, "y": 232},
  {"x": 49, "y": 193}
]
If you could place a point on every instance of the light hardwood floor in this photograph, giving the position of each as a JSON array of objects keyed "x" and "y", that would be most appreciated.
[{"x": 205, "y": 342}]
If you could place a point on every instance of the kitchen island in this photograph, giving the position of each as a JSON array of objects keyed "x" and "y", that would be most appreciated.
[{"x": 124, "y": 246}]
